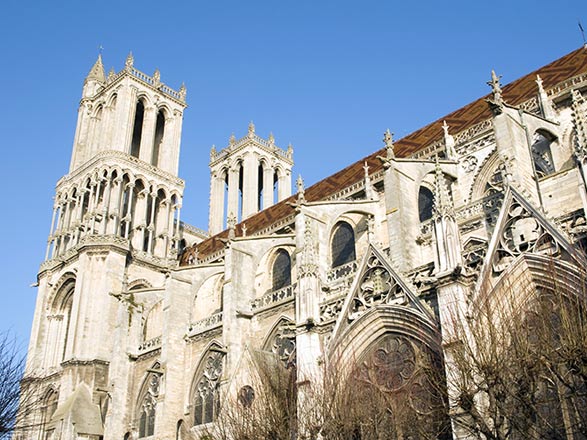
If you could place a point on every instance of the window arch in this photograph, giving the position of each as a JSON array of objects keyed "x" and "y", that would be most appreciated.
[
  {"x": 59, "y": 320},
  {"x": 281, "y": 271},
  {"x": 135, "y": 146},
  {"x": 282, "y": 342},
  {"x": 425, "y": 203},
  {"x": 343, "y": 244},
  {"x": 50, "y": 402},
  {"x": 148, "y": 402},
  {"x": 159, "y": 137},
  {"x": 206, "y": 393}
]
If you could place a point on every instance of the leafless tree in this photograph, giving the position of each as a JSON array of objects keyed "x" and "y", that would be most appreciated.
[
  {"x": 518, "y": 362},
  {"x": 15, "y": 404}
]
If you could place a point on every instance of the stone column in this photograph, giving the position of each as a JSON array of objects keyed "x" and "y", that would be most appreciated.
[
  {"x": 268, "y": 174},
  {"x": 50, "y": 239},
  {"x": 115, "y": 207},
  {"x": 233, "y": 182},
  {"x": 124, "y": 118},
  {"x": 216, "y": 204},
  {"x": 250, "y": 185},
  {"x": 174, "y": 142},
  {"x": 284, "y": 185},
  {"x": 148, "y": 133},
  {"x": 152, "y": 222},
  {"x": 139, "y": 219},
  {"x": 106, "y": 204},
  {"x": 127, "y": 216}
]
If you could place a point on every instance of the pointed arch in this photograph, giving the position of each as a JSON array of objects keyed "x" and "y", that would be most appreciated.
[
  {"x": 205, "y": 389},
  {"x": 281, "y": 341},
  {"x": 280, "y": 270},
  {"x": 342, "y": 244},
  {"x": 146, "y": 406}
]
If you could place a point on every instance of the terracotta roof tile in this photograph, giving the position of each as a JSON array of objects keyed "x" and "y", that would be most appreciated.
[{"x": 514, "y": 93}]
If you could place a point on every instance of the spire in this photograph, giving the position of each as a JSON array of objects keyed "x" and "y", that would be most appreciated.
[
  {"x": 97, "y": 71},
  {"x": 442, "y": 202},
  {"x": 545, "y": 104},
  {"x": 183, "y": 91},
  {"x": 157, "y": 78},
  {"x": 251, "y": 129},
  {"x": 369, "y": 190},
  {"x": 271, "y": 139},
  {"x": 213, "y": 153},
  {"x": 580, "y": 122},
  {"x": 449, "y": 143},
  {"x": 289, "y": 152},
  {"x": 232, "y": 140}
]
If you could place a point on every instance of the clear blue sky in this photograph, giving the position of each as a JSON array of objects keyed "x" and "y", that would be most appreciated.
[{"x": 327, "y": 76}]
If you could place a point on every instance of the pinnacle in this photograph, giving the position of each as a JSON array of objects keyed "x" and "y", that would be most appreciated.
[{"x": 97, "y": 71}]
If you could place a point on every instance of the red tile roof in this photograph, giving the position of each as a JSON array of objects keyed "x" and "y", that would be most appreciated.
[{"x": 478, "y": 111}]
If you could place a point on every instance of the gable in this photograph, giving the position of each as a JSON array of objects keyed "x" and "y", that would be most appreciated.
[
  {"x": 522, "y": 229},
  {"x": 377, "y": 283}
]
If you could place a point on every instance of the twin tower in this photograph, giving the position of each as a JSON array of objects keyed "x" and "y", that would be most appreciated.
[{"x": 123, "y": 178}]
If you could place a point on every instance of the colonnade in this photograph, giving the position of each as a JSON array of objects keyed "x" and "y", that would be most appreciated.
[{"x": 116, "y": 205}]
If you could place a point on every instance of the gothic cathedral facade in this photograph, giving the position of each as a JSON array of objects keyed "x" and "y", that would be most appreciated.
[{"x": 143, "y": 323}]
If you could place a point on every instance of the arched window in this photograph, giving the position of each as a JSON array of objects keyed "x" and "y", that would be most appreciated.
[
  {"x": 281, "y": 272},
  {"x": 148, "y": 403},
  {"x": 282, "y": 342},
  {"x": 542, "y": 154},
  {"x": 425, "y": 203},
  {"x": 343, "y": 244},
  {"x": 159, "y": 134},
  {"x": 49, "y": 407},
  {"x": 59, "y": 322},
  {"x": 135, "y": 145},
  {"x": 206, "y": 392}
]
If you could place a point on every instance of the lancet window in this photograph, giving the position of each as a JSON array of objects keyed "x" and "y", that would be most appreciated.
[
  {"x": 425, "y": 203},
  {"x": 206, "y": 392},
  {"x": 148, "y": 403},
  {"x": 281, "y": 273},
  {"x": 135, "y": 146},
  {"x": 343, "y": 244}
]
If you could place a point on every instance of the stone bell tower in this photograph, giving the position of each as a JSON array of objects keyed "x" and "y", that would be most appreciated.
[
  {"x": 249, "y": 175},
  {"x": 115, "y": 219}
]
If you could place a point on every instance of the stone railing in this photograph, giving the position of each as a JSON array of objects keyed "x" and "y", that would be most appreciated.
[
  {"x": 150, "y": 345},
  {"x": 341, "y": 272},
  {"x": 263, "y": 143},
  {"x": 205, "y": 324},
  {"x": 273, "y": 298}
]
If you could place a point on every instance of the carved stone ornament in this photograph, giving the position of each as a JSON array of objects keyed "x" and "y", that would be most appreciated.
[
  {"x": 283, "y": 343},
  {"x": 211, "y": 375},
  {"x": 377, "y": 286},
  {"x": 309, "y": 267},
  {"x": 522, "y": 234}
]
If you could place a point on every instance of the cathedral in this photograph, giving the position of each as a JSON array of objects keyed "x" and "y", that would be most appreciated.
[{"x": 145, "y": 325}]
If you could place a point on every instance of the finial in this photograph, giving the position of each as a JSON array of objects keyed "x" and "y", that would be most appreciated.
[
  {"x": 129, "y": 61},
  {"x": 388, "y": 141},
  {"x": 271, "y": 139},
  {"x": 366, "y": 169},
  {"x": 251, "y": 129},
  {"x": 369, "y": 190},
  {"x": 496, "y": 89},
  {"x": 232, "y": 140},
  {"x": 244, "y": 229},
  {"x": 231, "y": 223},
  {"x": 301, "y": 189},
  {"x": 183, "y": 92},
  {"x": 157, "y": 77},
  {"x": 289, "y": 151},
  {"x": 449, "y": 143},
  {"x": 111, "y": 74},
  {"x": 545, "y": 104},
  {"x": 213, "y": 153}
]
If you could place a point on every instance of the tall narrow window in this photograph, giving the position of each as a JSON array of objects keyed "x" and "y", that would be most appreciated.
[
  {"x": 135, "y": 146},
  {"x": 425, "y": 203},
  {"x": 281, "y": 272},
  {"x": 206, "y": 393},
  {"x": 343, "y": 244},
  {"x": 148, "y": 404},
  {"x": 159, "y": 133}
]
